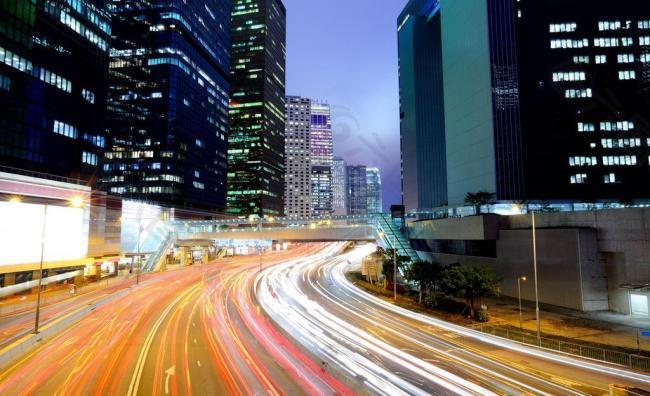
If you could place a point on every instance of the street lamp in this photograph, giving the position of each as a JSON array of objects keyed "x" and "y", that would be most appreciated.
[
  {"x": 75, "y": 202},
  {"x": 521, "y": 278},
  {"x": 535, "y": 270}
]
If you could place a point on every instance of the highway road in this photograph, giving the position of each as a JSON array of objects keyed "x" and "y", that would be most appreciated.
[
  {"x": 191, "y": 331},
  {"x": 298, "y": 327},
  {"x": 384, "y": 349}
]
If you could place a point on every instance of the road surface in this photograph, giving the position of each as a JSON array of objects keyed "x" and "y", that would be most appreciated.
[{"x": 391, "y": 351}]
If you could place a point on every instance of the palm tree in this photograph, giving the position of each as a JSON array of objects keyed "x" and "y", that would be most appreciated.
[{"x": 479, "y": 199}]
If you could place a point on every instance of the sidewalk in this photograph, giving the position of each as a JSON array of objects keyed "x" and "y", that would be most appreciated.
[
  {"x": 601, "y": 327},
  {"x": 27, "y": 302}
]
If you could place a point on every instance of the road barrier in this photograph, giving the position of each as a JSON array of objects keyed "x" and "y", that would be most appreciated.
[{"x": 633, "y": 361}]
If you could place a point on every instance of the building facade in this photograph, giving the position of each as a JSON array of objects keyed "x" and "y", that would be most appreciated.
[
  {"x": 53, "y": 72},
  {"x": 357, "y": 190},
  {"x": 322, "y": 155},
  {"x": 422, "y": 122},
  {"x": 373, "y": 190},
  {"x": 339, "y": 187},
  {"x": 549, "y": 104},
  {"x": 168, "y": 105},
  {"x": 256, "y": 157},
  {"x": 297, "y": 193}
]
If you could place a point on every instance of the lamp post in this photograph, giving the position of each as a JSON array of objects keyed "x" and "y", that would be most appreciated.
[
  {"x": 535, "y": 269},
  {"x": 40, "y": 272},
  {"x": 521, "y": 278},
  {"x": 75, "y": 202},
  {"x": 394, "y": 269}
]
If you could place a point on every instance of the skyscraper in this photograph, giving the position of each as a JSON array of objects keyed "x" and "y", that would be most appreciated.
[
  {"x": 543, "y": 100},
  {"x": 53, "y": 71},
  {"x": 373, "y": 190},
  {"x": 322, "y": 153},
  {"x": 339, "y": 187},
  {"x": 357, "y": 190},
  {"x": 297, "y": 193},
  {"x": 168, "y": 102},
  {"x": 256, "y": 173},
  {"x": 422, "y": 123}
]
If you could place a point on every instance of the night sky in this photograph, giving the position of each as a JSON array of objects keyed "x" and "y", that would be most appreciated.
[{"x": 344, "y": 52}]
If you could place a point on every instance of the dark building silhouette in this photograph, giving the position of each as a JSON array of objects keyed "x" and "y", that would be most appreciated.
[
  {"x": 256, "y": 170},
  {"x": 168, "y": 105},
  {"x": 53, "y": 71}
]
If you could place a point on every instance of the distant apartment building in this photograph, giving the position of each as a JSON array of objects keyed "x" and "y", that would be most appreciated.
[
  {"x": 168, "y": 104},
  {"x": 339, "y": 187},
  {"x": 256, "y": 158},
  {"x": 541, "y": 101},
  {"x": 322, "y": 155},
  {"x": 357, "y": 190},
  {"x": 297, "y": 192},
  {"x": 53, "y": 72},
  {"x": 373, "y": 190}
]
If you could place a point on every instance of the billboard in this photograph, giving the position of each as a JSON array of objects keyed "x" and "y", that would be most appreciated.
[{"x": 22, "y": 236}]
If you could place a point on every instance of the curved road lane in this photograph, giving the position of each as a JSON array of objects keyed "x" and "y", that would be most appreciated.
[{"x": 389, "y": 350}]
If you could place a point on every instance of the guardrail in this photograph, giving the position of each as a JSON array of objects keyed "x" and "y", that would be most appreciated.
[{"x": 635, "y": 362}]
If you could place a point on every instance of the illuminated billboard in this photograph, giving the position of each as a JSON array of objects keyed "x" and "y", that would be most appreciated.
[{"x": 21, "y": 233}]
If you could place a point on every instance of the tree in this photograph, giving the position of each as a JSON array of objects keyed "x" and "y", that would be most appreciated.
[
  {"x": 388, "y": 263},
  {"x": 470, "y": 283},
  {"x": 424, "y": 273},
  {"x": 479, "y": 199}
]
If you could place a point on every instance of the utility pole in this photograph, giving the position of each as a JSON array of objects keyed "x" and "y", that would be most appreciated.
[
  {"x": 536, "y": 288},
  {"x": 40, "y": 272},
  {"x": 394, "y": 269},
  {"x": 521, "y": 278}
]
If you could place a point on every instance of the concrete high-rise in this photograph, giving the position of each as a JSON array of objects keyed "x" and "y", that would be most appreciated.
[
  {"x": 297, "y": 193},
  {"x": 322, "y": 155},
  {"x": 53, "y": 72},
  {"x": 373, "y": 190},
  {"x": 256, "y": 157},
  {"x": 422, "y": 123},
  {"x": 168, "y": 102},
  {"x": 339, "y": 187}
]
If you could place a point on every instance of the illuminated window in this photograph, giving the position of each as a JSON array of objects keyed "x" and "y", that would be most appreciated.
[
  {"x": 89, "y": 158},
  {"x": 627, "y": 75},
  {"x": 583, "y": 161},
  {"x": 569, "y": 76},
  {"x": 625, "y": 58},
  {"x": 644, "y": 40},
  {"x": 578, "y": 93},
  {"x": 563, "y": 27},
  {"x": 580, "y": 178},
  {"x": 600, "y": 59},
  {"x": 88, "y": 96},
  {"x": 64, "y": 129},
  {"x": 610, "y": 178},
  {"x": 586, "y": 127}
]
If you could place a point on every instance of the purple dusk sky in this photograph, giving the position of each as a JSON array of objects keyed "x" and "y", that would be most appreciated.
[{"x": 344, "y": 52}]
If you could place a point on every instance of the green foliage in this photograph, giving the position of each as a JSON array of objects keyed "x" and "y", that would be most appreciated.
[
  {"x": 388, "y": 257},
  {"x": 470, "y": 283},
  {"x": 478, "y": 199},
  {"x": 423, "y": 273},
  {"x": 224, "y": 227}
]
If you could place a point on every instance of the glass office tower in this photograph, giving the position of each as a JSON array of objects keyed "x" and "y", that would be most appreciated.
[
  {"x": 422, "y": 122},
  {"x": 322, "y": 154},
  {"x": 373, "y": 190},
  {"x": 168, "y": 103},
  {"x": 357, "y": 190},
  {"x": 339, "y": 186},
  {"x": 297, "y": 193},
  {"x": 53, "y": 71},
  {"x": 256, "y": 172}
]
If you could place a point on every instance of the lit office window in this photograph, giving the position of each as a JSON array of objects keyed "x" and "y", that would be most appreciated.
[
  {"x": 621, "y": 143},
  {"x": 627, "y": 75},
  {"x": 583, "y": 161},
  {"x": 644, "y": 40},
  {"x": 569, "y": 76},
  {"x": 610, "y": 178},
  {"x": 586, "y": 127},
  {"x": 619, "y": 160},
  {"x": 580, "y": 178},
  {"x": 64, "y": 129},
  {"x": 581, "y": 59},
  {"x": 645, "y": 58},
  {"x": 89, "y": 158},
  {"x": 578, "y": 93},
  {"x": 644, "y": 25},
  {"x": 563, "y": 27},
  {"x": 625, "y": 58},
  {"x": 88, "y": 96},
  {"x": 566, "y": 43},
  {"x": 616, "y": 126},
  {"x": 600, "y": 59},
  {"x": 198, "y": 185}
]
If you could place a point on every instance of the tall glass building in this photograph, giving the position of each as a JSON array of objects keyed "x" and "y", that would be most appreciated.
[
  {"x": 256, "y": 172},
  {"x": 53, "y": 71},
  {"x": 357, "y": 190},
  {"x": 168, "y": 104},
  {"x": 422, "y": 123},
  {"x": 322, "y": 155},
  {"x": 373, "y": 190}
]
